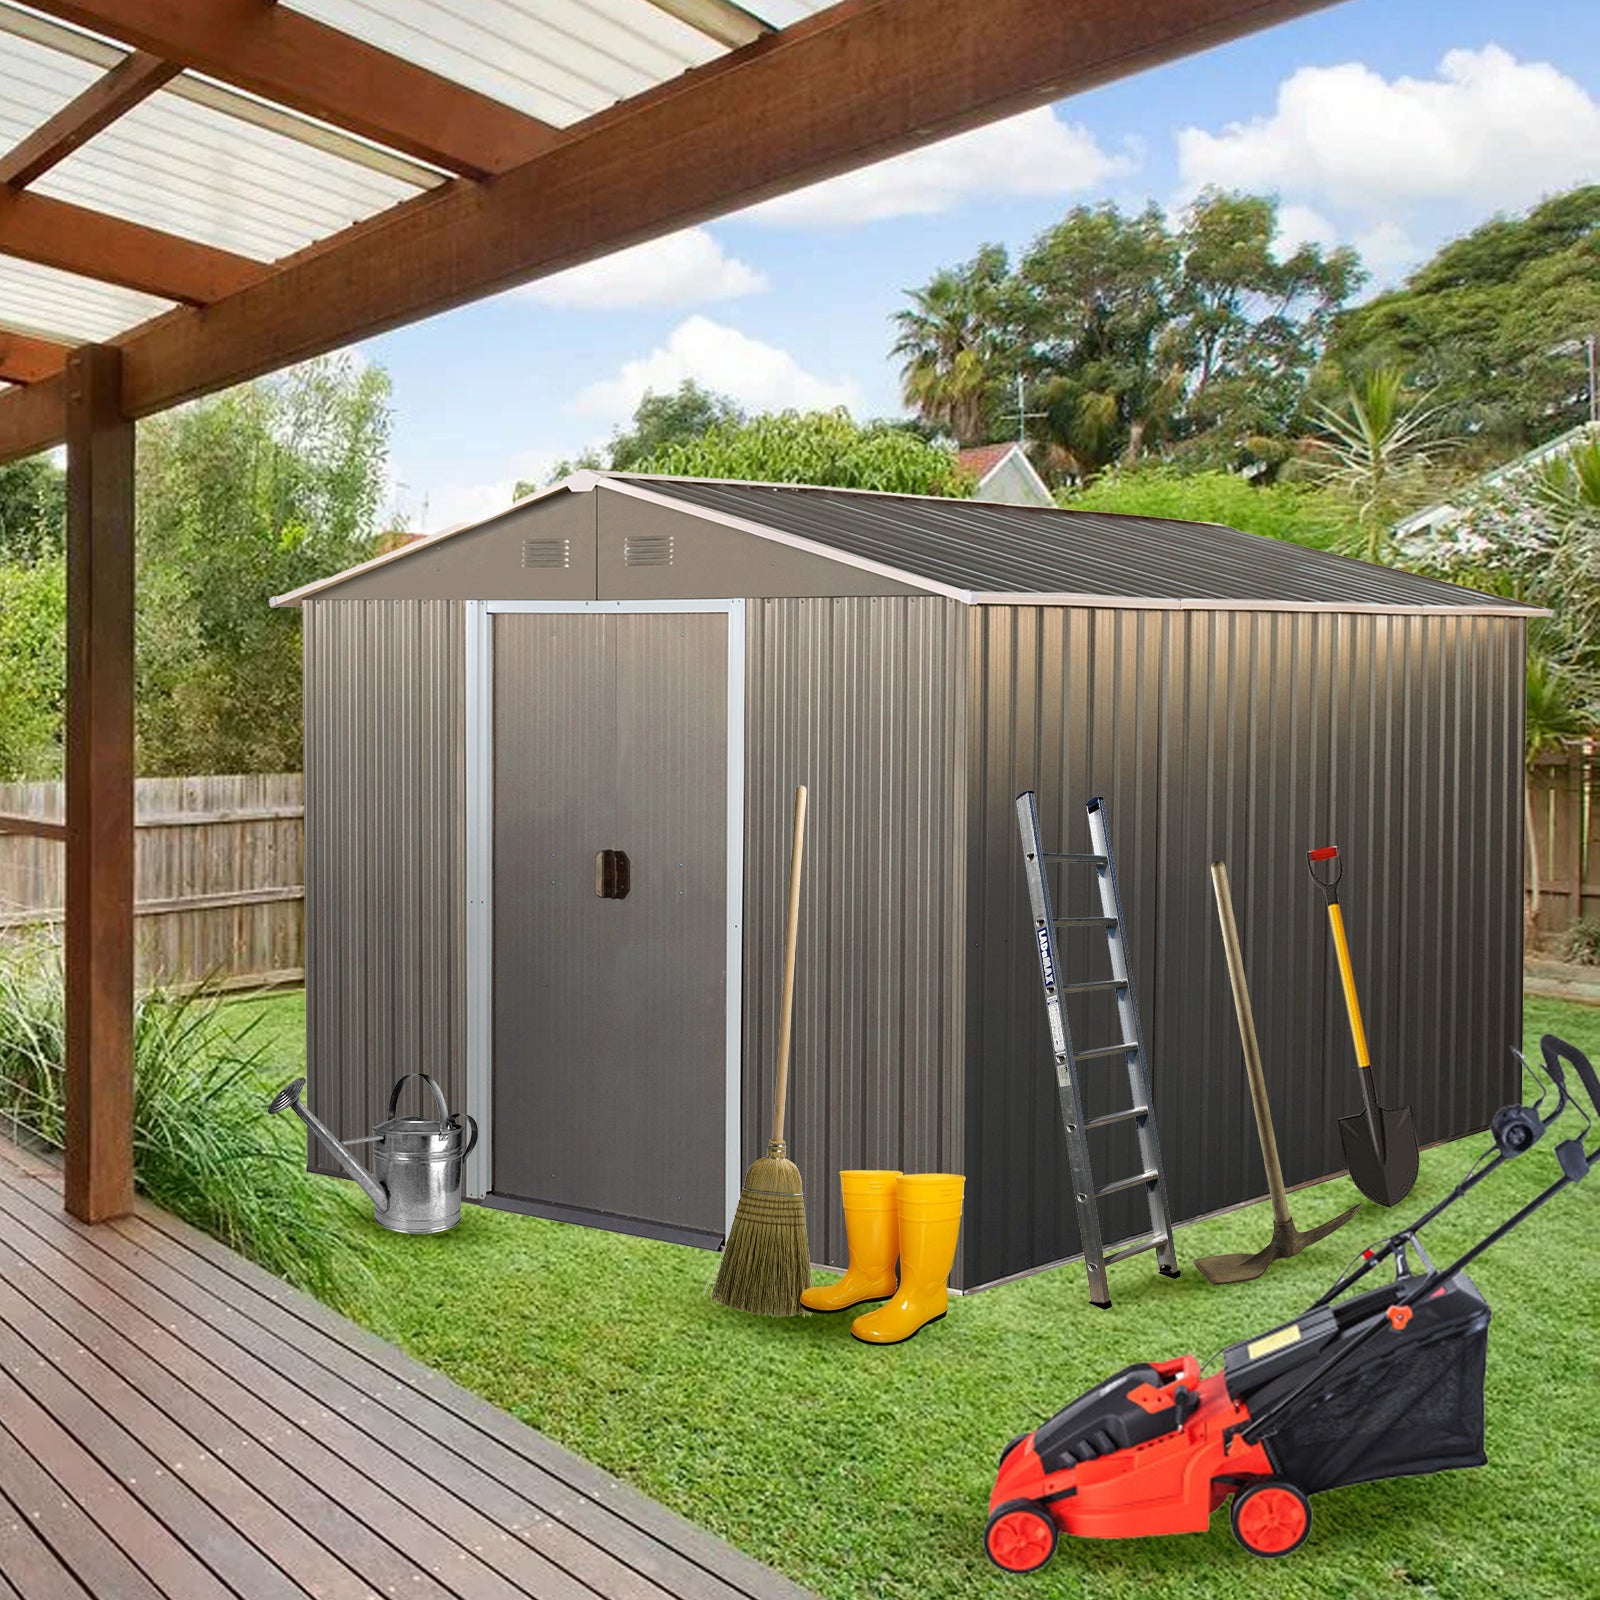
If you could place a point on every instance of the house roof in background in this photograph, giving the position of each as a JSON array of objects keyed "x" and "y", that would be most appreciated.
[
  {"x": 986, "y": 553},
  {"x": 982, "y": 459}
]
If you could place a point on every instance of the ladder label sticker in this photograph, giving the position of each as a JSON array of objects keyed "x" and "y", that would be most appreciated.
[
  {"x": 1058, "y": 1034},
  {"x": 1281, "y": 1340},
  {"x": 1047, "y": 966}
]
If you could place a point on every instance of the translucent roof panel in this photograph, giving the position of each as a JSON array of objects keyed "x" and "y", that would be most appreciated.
[
  {"x": 558, "y": 60},
  {"x": 61, "y": 305},
  {"x": 232, "y": 180},
  {"x": 780, "y": 13},
  {"x": 35, "y": 83}
]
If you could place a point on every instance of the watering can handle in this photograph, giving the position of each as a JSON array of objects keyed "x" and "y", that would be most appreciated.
[
  {"x": 438, "y": 1094},
  {"x": 472, "y": 1138}
]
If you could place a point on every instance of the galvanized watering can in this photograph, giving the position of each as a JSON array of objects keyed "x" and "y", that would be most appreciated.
[{"x": 418, "y": 1160}]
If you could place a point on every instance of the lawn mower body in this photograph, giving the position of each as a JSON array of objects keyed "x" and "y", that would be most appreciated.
[{"x": 1157, "y": 1449}]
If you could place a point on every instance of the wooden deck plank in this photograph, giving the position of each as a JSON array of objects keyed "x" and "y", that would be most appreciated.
[
  {"x": 747, "y": 1576},
  {"x": 64, "y": 1525},
  {"x": 474, "y": 1547},
  {"x": 308, "y": 1482},
  {"x": 146, "y": 1540},
  {"x": 390, "y": 1386},
  {"x": 31, "y": 1561},
  {"x": 300, "y": 1562},
  {"x": 338, "y": 1461}
]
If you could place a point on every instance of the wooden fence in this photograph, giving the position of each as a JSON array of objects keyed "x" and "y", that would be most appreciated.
[
  {"x": 218, "y": 877},
  {"x": 1562, "y": 790}
]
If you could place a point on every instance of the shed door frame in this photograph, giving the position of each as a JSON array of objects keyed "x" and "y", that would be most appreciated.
[{"x": 479, "y": 630}]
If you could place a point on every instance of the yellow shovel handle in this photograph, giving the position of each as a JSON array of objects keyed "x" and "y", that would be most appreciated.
[{"x": 1358, "y": 1034}]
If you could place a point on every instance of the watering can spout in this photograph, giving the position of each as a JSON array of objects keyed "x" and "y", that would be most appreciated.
[{"x": 288, "y": 1098}]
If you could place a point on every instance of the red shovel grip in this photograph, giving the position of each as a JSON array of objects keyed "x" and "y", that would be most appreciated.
[{"x": 1326, "y": 853}]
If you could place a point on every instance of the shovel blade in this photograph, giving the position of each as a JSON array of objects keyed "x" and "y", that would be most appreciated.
[
  {"x": 1236, "y": 1269},
  {"x": 1382, "y": 1158}
]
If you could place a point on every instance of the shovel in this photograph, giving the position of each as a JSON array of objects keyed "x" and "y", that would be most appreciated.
[
  {"x": 1287, "y": 1240},
  {"x": 1380, "y": 1143}
]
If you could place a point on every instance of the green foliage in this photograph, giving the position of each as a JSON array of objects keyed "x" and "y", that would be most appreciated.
[
  {"x": 1581, "y": 942},
  {"x": 204, "y": 1148},
  {"x": 1379, "y": 447},
  {"x": 659, "y": 422},
  {"x": 33, "y": 665},
  {"x": 820, "y": 447},
  {"x": 1131, "y": 334},
  {"x": 1487, "y": 325},
  {"x": 1297, "y": 512},
  {"x": 242, "y": 497},
  {"x": 33, "y": 509}
]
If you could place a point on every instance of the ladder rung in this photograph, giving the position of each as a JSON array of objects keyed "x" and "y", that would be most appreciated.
[
  {"x": 1086, "y": 922},
  {"x": 1099, "y": 983},
  {"x": 1113, "y": 1117},
  {"x": 1103, "y": 1050},
  {"x": 1069, "y": 855},
  {"x": 1138, "y": 1247},
  {"x": 1137, "y": 1181}
]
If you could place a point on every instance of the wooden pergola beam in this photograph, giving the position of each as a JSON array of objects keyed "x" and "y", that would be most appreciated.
[
  {"x": 118, "y": 91},
  {"x": 298, "y": 62},
  {"x": 55, "y": 233},
  {"x": 100, "y": 794},
  {"x": 27, "y": 359},
  {"x": 855, "y": 83}
]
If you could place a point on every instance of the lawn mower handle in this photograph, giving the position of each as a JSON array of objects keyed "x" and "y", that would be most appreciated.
[{"x": 1556, "y": 1050}]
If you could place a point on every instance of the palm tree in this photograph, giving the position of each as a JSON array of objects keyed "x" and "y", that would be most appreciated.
[
  {"x": 948, "y": 339},
  {"x": 1372, "y": 442}
]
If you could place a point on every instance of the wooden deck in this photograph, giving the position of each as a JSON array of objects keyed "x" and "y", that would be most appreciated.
[{"x": 175, "y": 1422}]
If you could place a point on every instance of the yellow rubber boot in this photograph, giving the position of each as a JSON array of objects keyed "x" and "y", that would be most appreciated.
[
  {"x": 872, "y": 1226},
  {"x": 930, "y": 1219}
]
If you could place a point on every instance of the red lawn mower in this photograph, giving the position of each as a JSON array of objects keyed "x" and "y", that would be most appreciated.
[{"x": 1381, "y": 1385}]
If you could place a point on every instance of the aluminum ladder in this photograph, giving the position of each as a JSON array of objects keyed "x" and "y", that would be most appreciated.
[{"x": 1141, "y": 1111}]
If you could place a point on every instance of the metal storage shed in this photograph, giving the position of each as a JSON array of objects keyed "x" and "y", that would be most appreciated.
[{"x": 650, "y": 665}]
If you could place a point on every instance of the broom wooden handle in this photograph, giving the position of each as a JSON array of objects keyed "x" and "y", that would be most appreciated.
[{"x": 790, "y": 940}]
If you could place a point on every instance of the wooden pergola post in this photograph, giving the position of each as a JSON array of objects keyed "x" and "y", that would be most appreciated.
[{"x": 99, "y": 899}]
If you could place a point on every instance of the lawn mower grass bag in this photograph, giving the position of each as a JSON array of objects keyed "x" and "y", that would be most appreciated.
[{"x": 1396, "y": 1407}]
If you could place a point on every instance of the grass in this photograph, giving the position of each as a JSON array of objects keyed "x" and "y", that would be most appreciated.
[{"x": 866, "y": 1473}]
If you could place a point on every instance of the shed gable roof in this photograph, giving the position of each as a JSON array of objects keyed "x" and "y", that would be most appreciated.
[{"x": 982, "y": 552}]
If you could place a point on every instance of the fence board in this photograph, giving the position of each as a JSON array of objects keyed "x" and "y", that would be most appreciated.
[
  {"x": 1565, "y": 823},
  {"x": 219, "y": 876}
]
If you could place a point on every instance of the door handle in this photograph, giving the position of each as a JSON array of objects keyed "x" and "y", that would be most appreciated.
[{"x": 613, "y": 874}]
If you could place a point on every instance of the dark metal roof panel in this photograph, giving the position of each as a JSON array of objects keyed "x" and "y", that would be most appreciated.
[{"x": 1002, "y": 549}]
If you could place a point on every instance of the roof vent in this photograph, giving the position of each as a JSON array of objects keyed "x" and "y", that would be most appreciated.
[
  {"x": 647, "y": 550},
  {"x": 547, "y": 552}
]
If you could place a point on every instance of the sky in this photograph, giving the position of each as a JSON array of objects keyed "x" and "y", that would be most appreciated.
[{"x": 1391, "y": 125}]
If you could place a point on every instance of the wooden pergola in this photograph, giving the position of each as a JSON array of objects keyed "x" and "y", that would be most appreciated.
[{"x": 202, "y": 191}]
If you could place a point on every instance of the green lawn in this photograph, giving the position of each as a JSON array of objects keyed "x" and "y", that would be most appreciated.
[{"x": 865, "y": 1473}]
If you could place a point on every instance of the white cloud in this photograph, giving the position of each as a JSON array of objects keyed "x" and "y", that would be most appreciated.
[
  {"x": 1034, "y": 154},
  {"x": 1488, "y": 129},
  {"x": 759, "y": 376},
  {"x": 453, "y": 505},
  {"x": 680, "y": 269}
]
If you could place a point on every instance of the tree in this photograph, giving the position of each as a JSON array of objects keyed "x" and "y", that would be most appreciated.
[
  {"x": 821, "y": 447},
  {"x": 1376, "y": 447},
  {"x": 33, "y": 509},
  {"x": 659, "y": 422},
  {"x": 950, "y": 341},
  {"x": 242, "y": 497},
  {"x": 1488, "y": 325},
  {"x": 33, "y": 666}
]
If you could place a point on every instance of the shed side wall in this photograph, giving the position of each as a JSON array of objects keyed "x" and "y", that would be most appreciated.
[
  {"x": 384, "y": 854},
  {"x": 863, "y": 700},
  {"x": 1247, "y": 737}
]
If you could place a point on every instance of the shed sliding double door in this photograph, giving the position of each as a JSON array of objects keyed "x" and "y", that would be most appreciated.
[{"x": 610, "y": 917}]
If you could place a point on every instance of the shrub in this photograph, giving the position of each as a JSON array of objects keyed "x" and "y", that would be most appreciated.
[
  {"x": 204, "y": 1147},
  {"x": 1581, "y": 942}
]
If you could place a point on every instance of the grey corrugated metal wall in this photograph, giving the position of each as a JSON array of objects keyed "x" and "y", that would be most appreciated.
[
  {"x": 864, "y": 700},
  {"x": 1248, "y": 736},
  {"x": 384, "y": 854}
]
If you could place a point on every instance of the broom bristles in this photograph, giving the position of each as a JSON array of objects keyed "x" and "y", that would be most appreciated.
[{"x": 766, "y": 1262}]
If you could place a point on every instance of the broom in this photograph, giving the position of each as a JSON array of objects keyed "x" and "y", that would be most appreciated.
[{"x": 766, "y": 1261}]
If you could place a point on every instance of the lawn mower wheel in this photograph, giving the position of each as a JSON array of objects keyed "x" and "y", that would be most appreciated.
[
  {"x": 1020, "y": 1536},
  {"x": 1271, "y": 1518}
]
